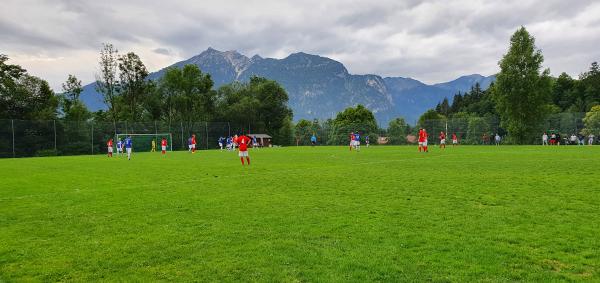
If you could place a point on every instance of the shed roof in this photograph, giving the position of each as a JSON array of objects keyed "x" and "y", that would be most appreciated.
[{"x": 260, "y": 136}]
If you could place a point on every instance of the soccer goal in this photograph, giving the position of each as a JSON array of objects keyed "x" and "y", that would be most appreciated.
[{"x": 143, "y": 142}]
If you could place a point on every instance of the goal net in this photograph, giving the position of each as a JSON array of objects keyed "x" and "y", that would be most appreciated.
[{"x": 143, "y": 142}]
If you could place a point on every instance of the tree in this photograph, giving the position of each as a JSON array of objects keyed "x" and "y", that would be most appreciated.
[
  {"x": 168, "y": 87},
  {"x": 304, "y": 129},
  {"x": 73, "y": 108},
  {"x": 153, "y": 102},
  {"x": 106, "y": 81},
  {"x": 521, "y": 90},
  {"x": 187, "y": 94},
  {"x": 303, "y": 132},
  {"x": 132, "y": 74},
  {"x": 34, "y": 100},
  {"x": 260, "y": 102},
  {"x": 23, "y": 96},
  {"x": 352, "y": 119},
  {"x": 397, "y": 131},
  {"x": 273, "y": 99},
  {"x": 590, "y": 82},
  {"x": 563, "y": 91},
  {"x": 443, "y": 107},
  {"x": 478, "y": 126},
  {"x": 592, "y": 121},
  {"x": 9, "y": 76},
  {"x": 72, "y": 88}
]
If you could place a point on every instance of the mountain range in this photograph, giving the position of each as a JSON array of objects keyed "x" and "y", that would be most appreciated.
[{"x": 319, "y": 87}]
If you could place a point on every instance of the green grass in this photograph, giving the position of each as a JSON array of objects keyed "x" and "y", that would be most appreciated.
[{"x": 305, "y": 214}]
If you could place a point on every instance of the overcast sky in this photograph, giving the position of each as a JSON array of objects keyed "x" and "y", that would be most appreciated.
[{"x": 432, "y": 41}]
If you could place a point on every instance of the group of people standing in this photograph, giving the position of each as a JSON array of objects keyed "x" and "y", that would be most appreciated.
[
  {"x": 424, "y": 140},
  {"x": 354, "y": 140},
  {"x": 122, "y": 146},
  {"x": 231, "y": 143},
  {"x": 555, "y": 139}
]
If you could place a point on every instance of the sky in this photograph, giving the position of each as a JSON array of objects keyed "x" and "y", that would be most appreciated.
[{"x": 432, "y": 41}]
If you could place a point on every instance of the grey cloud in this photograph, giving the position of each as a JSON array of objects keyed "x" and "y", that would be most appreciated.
[
  {"x": 162, "y": 51},
  {"x": 430, "y": 40}
]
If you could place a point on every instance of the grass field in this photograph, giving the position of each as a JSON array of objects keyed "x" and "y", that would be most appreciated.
[{"x": 305, "y": 214}]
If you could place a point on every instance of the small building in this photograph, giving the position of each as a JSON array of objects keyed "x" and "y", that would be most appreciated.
[{"x": 263, "y": 140}]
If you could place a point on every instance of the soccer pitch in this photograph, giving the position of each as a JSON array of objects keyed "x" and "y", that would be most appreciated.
[{"x": 471, "y": 213}]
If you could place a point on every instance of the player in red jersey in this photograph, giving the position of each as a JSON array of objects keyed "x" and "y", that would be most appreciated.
[
  {"x": 193, "y": 143},
  {"x": 420, "y": 139},
  {"x": 351, "y": 140},
  {"x": 243, "y": 142},
  {"x": 454, "y": 140},
  {"x": 423, "y": 140},
  {"x": 109, "y": 145},
  {"x": 163, "y": 145},
  {"x": 442, "y": 139}
]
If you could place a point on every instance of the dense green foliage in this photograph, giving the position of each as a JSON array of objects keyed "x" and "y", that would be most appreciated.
[
  {"x": 445, "y": 216},
  {"x": 592, "y": 121},
  {"x": 397, "y": 131},
  {"x": 23, "y": 96},
  {"x": 260, "y": 102},
  {"x": 353, "y": 119},
  {"x": 521, "y": 90},
  {"x": 304, "y": 130}
]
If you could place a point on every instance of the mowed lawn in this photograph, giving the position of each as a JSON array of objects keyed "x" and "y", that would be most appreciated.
[{"x": 472, "y": 213}]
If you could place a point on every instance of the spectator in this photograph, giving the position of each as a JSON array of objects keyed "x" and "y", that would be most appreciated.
[{"x": 573, "y": 139}]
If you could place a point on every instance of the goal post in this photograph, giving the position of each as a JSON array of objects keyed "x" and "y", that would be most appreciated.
[{"x": 143, "y": 142}]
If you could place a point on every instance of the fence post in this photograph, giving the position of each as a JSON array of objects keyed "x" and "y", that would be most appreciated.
[
  {"x": 228, "y": 129},
  {"x": 12, "y": 122},
  {"x": 92, "y": 138},
  {"x": 55, "y": 150},
  {"x": 182, "y": 143},
  {"x": 156, "y": 134},
  {"x": 206, "y": 135}
]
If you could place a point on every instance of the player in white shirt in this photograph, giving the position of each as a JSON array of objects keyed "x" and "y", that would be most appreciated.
[
  {"x": 545, "y": 139},
  {"x": 119, "y": 147},
  {"x": 591, "y": 139}
]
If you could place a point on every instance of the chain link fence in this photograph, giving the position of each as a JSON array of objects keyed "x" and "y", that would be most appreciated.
[
  {"x": 469, "y": 130},
  {"x": 19, "y": 138}
]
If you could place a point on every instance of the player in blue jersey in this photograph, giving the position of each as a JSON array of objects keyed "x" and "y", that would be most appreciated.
[
  {"x": 128, "y": 146},
  {"x": 255, "y": 142},
  {"x": 221, "y": 142},
  {"x": 313, "y": 140},
  {"x": 357, "y": 141},
  {"x": 229, "y": 143}
]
